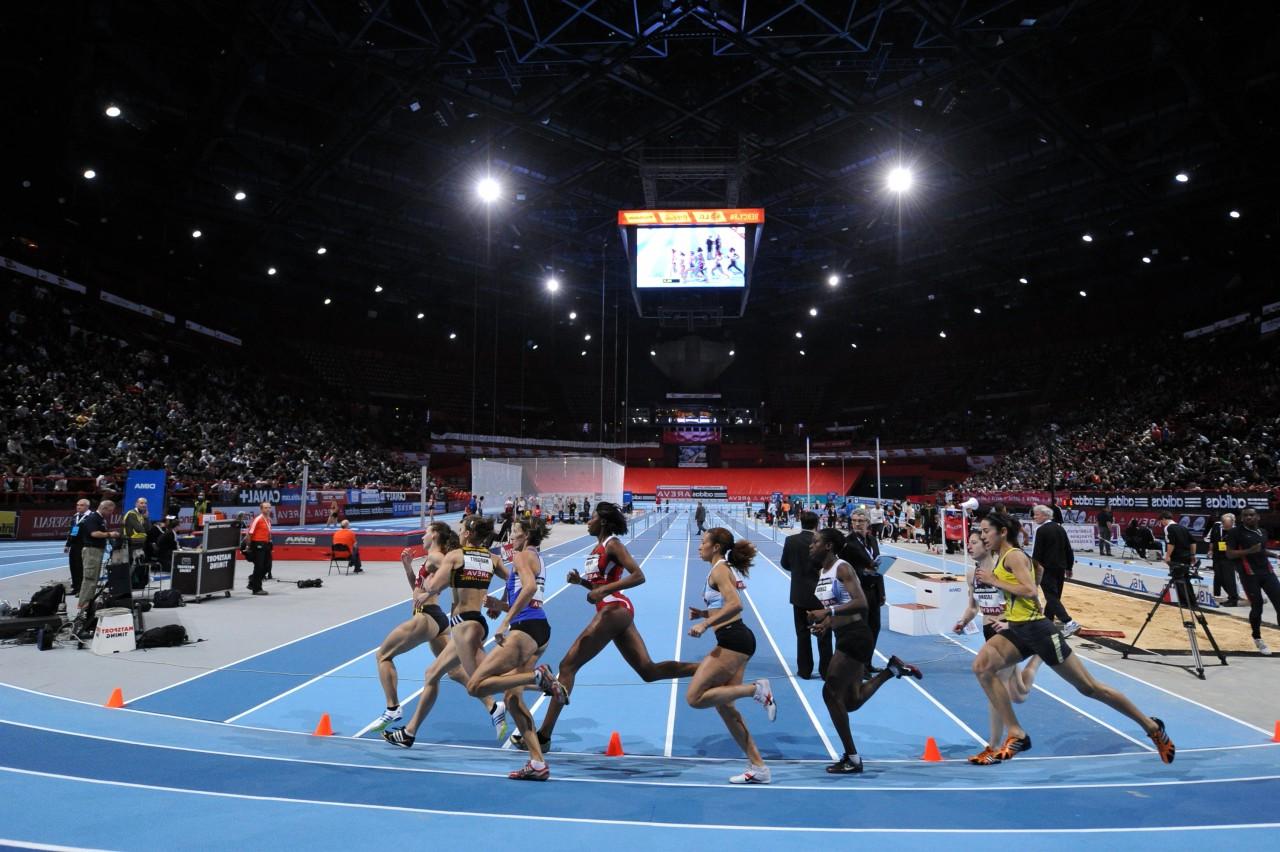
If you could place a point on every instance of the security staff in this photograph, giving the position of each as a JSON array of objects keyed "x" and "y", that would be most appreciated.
[
  {"x": 803, "y": 568},
  {"x": 75, "y": 546},
  {"x": 260, "y": 547},
  {"x": 1224, "y": 568},
  {"x": 862, "y": 551}
]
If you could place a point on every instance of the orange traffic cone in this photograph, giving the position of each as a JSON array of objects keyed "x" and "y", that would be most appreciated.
[
  {"x": 931, "y": 751},
  {"x": 1275, "y": 738},
  {"x": 117, "y": 700},
  {"x": 615, "y": 746},
  {"x": 325, "y": 728}
]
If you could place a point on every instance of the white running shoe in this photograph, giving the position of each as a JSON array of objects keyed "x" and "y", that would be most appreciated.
[
  {"x": 764, "y": 694},
  {"x": 1262, "y": 647},
  {"x": 388, "y": 716},
  {"x": 753, "y": 775},
  {"x": 1071, "y": 628},
  {"x": 498, "y": 715}
]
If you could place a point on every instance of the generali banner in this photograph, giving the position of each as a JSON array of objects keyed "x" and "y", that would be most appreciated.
[{"x": 48, "y": 524}]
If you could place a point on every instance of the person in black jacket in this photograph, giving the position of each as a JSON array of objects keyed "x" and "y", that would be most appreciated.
[
  {"x": 797, "y": 561},
  {"x": 1224, "y": 569},
  {"x": 75, "y": 546},
  {"x": 862, "y": 551},
  {"x": 1055, "y": 557}
]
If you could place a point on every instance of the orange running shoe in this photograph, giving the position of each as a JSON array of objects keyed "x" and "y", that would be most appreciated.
[
  {"x": 1164, "y": 745},
  {"x": 1013, "y": 745},
  {"x": 986, "y": 757}
]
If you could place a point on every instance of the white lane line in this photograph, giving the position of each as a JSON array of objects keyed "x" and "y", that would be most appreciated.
[
  {"x": 699, "y": 826},
  {"x": 675, "y": 684}
]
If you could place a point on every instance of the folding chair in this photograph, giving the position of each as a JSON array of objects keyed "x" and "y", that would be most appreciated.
[{"x": 339, "y": 553}]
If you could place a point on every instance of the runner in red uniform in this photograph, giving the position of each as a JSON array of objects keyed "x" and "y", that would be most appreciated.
[{"x": 609, "y": 571}]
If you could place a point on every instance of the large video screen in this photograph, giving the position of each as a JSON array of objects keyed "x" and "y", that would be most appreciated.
[{"x": 692, "y": 257}]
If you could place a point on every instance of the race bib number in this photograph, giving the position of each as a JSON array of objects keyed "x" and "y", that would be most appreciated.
[
  {"x": 824, "y": 591},
  {"x": 990, "y": 599}
]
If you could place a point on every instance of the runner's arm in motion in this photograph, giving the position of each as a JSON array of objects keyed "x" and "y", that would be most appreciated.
[
  {"x": 525, "y": 565},
  {"x": 632, "y": 578},
  {"x": 971, "y": 609},
  {"x": 1020, "y": 566},
  {"x": 722, "y": 579},
  {"x": 440, "y": 577}
]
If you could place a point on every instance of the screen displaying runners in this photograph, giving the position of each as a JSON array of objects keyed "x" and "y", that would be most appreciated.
[{"x": 693, "y": 257}]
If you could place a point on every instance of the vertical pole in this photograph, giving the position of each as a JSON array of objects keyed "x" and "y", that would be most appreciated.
[
  {"x": 877, "y": 470},
  {"x": 808, "y": 486},
  {"x": 422, "y": 504},
  {"x": 302, "y": 502}
]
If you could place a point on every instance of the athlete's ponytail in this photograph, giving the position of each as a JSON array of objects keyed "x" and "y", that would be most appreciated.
[
  {"x": 481, "y": 529},
  {"x": 1001, "y": 521},
  {"x": 535, "y": 528},
  {"x": 739, "y": 554},
  {"x": 446, "y": 537}
]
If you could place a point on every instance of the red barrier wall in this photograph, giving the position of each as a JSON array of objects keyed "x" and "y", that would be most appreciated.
[{"x": 756, "y": 483}]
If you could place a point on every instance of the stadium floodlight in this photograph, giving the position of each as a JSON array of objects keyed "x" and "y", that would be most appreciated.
[
  {"x": 899, "y": 179},
  {"x": 732, "y": 353},
  {"x": 1023, "y": 281},
  {"x": 799, "y": 334},
  {"x": 1083, "y": 294},
  {"x": 196, "y": 234},
  {"x": 552, "y": 285},
  {"x": 977, "y": 310},
  {"x": 271, "y": 270},
  {"x": 453, "y": 335},
  {"x": 1088, "y": 238},
  {"x": 377, "y": 288},
  {"x": 653, "y": 354},
  {"x": 586, "y": 337},
  {"x": 801, "y": 351},
  {"x": 853, "y": 345},
  {"x": 322, "y": 250},
  {"x": 327, "y": 300},
  {"x": 421, "y": 315},
  {"x": 112, "y": 111},
  {"x": 573, "y": 315},
  {"x": 584, "y": 352},
  {"x": 813, "y": 312},
  {"x": 1146, "y": 259},
  {"x": 240, "y": 195},
  {"x": 833, "y": 280},
  {"x": 942, "y": 334},
  {"x": 90, "y": 174},
  {"x": 488, "y": 190},
  {"x": 1234, "y": 214},
  {"x": 1182, "y": 177}
]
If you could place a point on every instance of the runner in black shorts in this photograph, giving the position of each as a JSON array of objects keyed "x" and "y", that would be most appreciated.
[
  {"x": 844, "y": 610},
  {"x": 1029, "y": 632},
  {"x": 718, "y": 680}
]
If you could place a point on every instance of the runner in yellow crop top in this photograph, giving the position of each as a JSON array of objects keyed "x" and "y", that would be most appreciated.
[{"x": 1026, "y": 631}]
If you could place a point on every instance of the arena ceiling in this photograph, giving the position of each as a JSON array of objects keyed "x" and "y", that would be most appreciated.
[{"x": 363, "y": 126}]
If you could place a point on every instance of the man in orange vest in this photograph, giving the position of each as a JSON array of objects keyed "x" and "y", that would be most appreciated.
[
  {"x": 260, "y": 547},
  {"x": 345, "y": 535}
]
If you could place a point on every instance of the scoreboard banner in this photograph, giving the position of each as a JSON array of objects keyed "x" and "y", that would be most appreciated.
[{"x": 734, "y": 216}]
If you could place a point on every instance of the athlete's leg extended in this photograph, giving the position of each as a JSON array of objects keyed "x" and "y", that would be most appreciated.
[
  {"x": 403, "y": 638},
  {"x": 998, "y": 653},
  {"x": 607, "y": 623},
  {"x": 631, "y": 645}
]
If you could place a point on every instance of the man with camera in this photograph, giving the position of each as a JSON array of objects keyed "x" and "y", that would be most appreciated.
[{"x": 1247, "y": 542}]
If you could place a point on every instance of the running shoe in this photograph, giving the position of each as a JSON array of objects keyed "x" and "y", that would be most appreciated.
[
  {"x": 1013, "y": 745},
  {"x": 398, "y": 737},
  {"x": 901, "y": 669},
  {"x": 1262, "y": 647},
  {"x": 847, "y": 765},
  {"x": 518, "y": 741},
  {"x": 388, "y": 716},
  {"x": 1164, "y": 745},
  {"x": 753, "y": 775},
  {"x": 986, "y": 757},
  {"x": 546, "y": 681},
  {"x": 764, "y": 694},
  {"x": 498, "y": 715},
  {"x": 528, "y": 773},
  {"x": 1071, "y": 628}
]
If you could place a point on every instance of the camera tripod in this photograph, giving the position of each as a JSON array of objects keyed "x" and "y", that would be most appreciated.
[{"x": 1190, "y": 612}]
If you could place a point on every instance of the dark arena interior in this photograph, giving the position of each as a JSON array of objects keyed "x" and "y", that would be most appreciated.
[{"x": 539, "y": 358}]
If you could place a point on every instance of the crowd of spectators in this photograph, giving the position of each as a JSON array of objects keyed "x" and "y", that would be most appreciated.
[
  {"x": 1183, "y": 416},
  {"x": 83, "y": 405}
]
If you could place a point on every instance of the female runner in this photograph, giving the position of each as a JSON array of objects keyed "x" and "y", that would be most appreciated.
[
  {"x": 428, "y": 624},
  {"x": 844, "y": 610},
  {"x": 609, "y": 571},
  {"x": 990, "y": 602},
  {"x": 521, "y": 638},
  {"x": 718, "y": 680},
  {"x": 1026, "y": 631},
  {"x": 468, "y": 570}
]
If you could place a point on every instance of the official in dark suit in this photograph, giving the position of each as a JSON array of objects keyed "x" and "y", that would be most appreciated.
[
  {"x": 861, "y": 550},
  {"x": 74, "y": 546},
  {"x": 1053, "y": 553},
  {"x": 804, "y": 578}
]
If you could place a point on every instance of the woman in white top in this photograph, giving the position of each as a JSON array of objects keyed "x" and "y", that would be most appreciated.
[
  {"x": 844, "y": 611},
  {"x": 989, "y": 600},
  {"x": 718, "y": 681}
]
